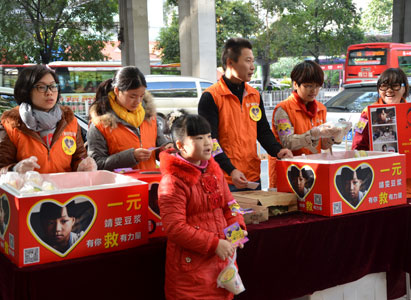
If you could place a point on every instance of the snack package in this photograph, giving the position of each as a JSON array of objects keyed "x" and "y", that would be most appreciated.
[
  {"x": 48, "y": 186},
  {"x": 33, "y": 177},
  {"x": 235, "y": 208},
  {"x": 30, "y": 187},
  {"x": 235, "y": 234},
  {"x": 344, "y": 127},
  {"x": 229, "y": 277},
  {"x": 14, "y": 179}
]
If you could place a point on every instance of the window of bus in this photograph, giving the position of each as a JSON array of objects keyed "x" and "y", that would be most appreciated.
[
  {"x": 82, "y": 81},
  {"x": 367, "y": 57},
  {"x": 178, "y": 89},
  {"x": 404, "y": 62},
  {"x": 8, "y": 76}
]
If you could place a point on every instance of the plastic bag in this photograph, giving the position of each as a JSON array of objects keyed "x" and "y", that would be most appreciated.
[
  {"x": 14, "y": 179},
  {"x": 344, "y": 127},
  {"x": 229, "y": 278},
  {"x": 87, "y": 164},
  {"x": 25, "y": 165}
]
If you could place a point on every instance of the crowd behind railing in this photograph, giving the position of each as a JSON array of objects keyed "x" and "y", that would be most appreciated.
[{"x": 270, "y": 98}]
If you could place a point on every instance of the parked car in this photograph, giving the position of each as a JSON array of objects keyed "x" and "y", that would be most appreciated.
[
  {"x": 257, "y": 84},
  {"x": 175, "y": 92},
  {"x": 349, "y": 103},
  {"x": 6, "y": 99}
]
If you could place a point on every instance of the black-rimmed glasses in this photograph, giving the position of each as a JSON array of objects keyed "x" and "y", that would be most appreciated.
[
  {"x": 395, "y": 86},
  {"x": 43, "y": 88}
]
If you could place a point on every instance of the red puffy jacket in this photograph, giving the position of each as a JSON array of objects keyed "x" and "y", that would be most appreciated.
[{"x": 194, "y": 212}]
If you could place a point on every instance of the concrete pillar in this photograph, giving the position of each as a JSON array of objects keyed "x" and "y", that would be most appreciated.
[
  {"x": 184, "y": 20},
  {"x": 134, "y": 30},
  {"x": 401, "y": 23},
  {"x": 201, "y": 23}
]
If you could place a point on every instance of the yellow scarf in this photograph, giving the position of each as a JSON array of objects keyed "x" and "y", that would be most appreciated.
[{"x": 134, "y": 118}]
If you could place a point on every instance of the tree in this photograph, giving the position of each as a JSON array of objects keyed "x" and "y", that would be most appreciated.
[
  {"x": 168, "y": 41},
  {"x": 317, "y": 27},
  {"x": 233, "y": 18},
  {"x": 45, "y": 30},
  {"x": 283, "y": 67},
  {"x": 378, "y": 16}
]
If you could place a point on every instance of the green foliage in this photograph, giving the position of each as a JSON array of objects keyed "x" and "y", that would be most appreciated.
[
  {"x": 283, "y": 67},
  {"x": 320, "y": 27},
  {"x": 168, "y": 42},
  {"x": 46, "y": 30},
  {"x": 378, "y": 16},
  {"x": 233, "y": 19},
  {"x": 310, "y": 28}
]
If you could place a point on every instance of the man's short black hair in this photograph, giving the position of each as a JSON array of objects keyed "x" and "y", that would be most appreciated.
[{"x": 232, "y": 50}]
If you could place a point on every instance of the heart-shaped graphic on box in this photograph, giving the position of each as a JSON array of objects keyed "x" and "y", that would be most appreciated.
[
  {"x": 153, "y": 198},
  {"x": 301, "y": 180},
  {"x": 4, "y": 215},
  {"x": 353, "y": 184},
  {"x": 61, "y": 226}
]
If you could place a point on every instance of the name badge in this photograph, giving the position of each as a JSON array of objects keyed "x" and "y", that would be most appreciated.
[{"x": 255, "y": 113}]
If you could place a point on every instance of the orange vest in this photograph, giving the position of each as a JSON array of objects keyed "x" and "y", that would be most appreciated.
[
  {"x": 301, "y": 123},
  {"x": 237, "y": 132},
  {"x": 121, "y": 138},
  {"x": 54, "y": 160}
]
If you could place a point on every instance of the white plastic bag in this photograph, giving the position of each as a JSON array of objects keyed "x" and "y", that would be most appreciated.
[{"x": 229, "y": 277}]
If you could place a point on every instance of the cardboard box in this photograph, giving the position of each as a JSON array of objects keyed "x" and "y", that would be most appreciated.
[
  {"x": 323, "y": 185},
  {"x": 259, "y": 214},
  {"x": 101, "y": 211},
  {"x": 265, "y": 204},
  {"x": 153, "y": 178},
  {"x": 268, "y": 199}
]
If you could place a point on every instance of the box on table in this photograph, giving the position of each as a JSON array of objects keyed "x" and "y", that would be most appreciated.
[
  {"x": 344, "y": 182},
  {"x": 99, "y": 212},
  {"x": 273, "y": 202},
  {"x": 153, "y": 178}
]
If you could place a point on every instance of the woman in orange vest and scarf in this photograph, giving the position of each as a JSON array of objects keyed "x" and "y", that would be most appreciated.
[
  {"x": 297, "y": 120},
  {"x": 123, "y": 130},
  {"x": 393, "y": 88},
  {"x": 40, "y": 134}
]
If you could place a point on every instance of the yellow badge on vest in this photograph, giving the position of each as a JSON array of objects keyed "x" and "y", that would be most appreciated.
[
  {"x": 255, "y": 113},
  {"x": 69, "y": 145}
]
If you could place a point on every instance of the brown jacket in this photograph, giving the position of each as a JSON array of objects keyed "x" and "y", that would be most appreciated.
[{"x": 14, "y": 148}]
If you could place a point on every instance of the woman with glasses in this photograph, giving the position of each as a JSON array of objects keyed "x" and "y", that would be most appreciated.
[
  {"x": 296, "y": 120},
  {"x": 40, "y": 134},
  {"x": 392, "y": 88}
]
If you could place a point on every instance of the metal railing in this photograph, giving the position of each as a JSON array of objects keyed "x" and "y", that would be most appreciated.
[{"x": 270, "y": 99}]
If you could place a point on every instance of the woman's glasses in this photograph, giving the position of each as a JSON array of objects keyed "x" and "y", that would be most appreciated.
[
  {"x": 395, "y": 86},
  {"x": 42, "y": 88}
]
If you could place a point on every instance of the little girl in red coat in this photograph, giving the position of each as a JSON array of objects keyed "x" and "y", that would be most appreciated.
[{"x": 193, "y": 197}]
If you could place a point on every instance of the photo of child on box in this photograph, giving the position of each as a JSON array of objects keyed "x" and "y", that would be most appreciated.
[
  {"x": 301, "y": 180},
  {"x": 59, "y": 226},
  {"x": 353, "y": 185},
  {"x": 193, "y": 199},
  {"x": 4, "y": 214}
]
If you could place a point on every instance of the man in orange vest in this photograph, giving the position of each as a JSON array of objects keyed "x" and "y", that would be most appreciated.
[{"x": 237, "y": 117}]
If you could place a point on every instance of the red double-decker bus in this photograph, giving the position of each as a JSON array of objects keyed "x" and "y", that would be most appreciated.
[{"x": 366, "y": 62}]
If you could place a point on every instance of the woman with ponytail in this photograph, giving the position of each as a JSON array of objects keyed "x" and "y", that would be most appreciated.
[{"x": 123, "y": 131}]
